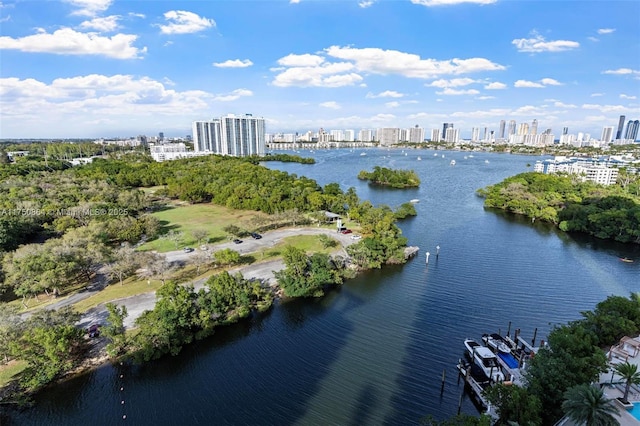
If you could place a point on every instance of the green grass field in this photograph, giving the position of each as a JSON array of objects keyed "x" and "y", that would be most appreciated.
[
  {"x": 187, "y": 218},
  {"x": 8, "y": 371}
]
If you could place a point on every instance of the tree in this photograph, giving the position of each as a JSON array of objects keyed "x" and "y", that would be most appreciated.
[
  {"x": 124, "y": 263},
  {"x": 114, "y": 329},
  {"x": 514, "y": 404},
  {"x": 585, "y": 404},
  {"x": 233, "y": 230},
  {"x": 199, "y": 235},
  {"x": 630, "y": 374},
  {"x": 200, "y": 259},
  {"x": 175, "y": 237},
  {"x": 226, "y": 257}
]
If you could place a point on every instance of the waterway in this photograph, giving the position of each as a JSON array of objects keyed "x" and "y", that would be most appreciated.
[{"x": 372, "y": 352}]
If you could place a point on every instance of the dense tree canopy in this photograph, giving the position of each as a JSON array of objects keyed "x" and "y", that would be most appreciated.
[{"x": 390, "y": 177}]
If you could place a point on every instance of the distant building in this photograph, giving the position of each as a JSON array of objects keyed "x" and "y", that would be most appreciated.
[
  {"x": 501, "y": 130},
  {"x": 435, "y": 135},
  {"x": 366, "y": 135},
  {"x": 620, "y": 127},
  {"x": 388, "y": 135},
  {"x": 534, "y": 127},
  {"x": 591, "y": 170},
  {"x": 235, "y": 135},
  {"x": 607, "y": 134},
  {"x": 416, "y": 134},
  {"x": 168, "y": 151},
  {"x": 475, "y": 134},
  {"x": 512, "y": 127},
  {"x": 452, "y": 135},
  {"x": 446, "y": 126},
  {"x": 632, "y": 130},
  {"x": 349, "y": 135}
]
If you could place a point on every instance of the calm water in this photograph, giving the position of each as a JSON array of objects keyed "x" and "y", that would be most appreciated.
[{"x": 372, "y": 352}]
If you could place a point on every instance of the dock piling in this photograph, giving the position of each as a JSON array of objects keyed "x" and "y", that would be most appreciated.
[
  {"x": 509, "y": 330},
  {"x": 428, "y": 258},
  {"x": 535, "y": 333},
  {"x": 444, "y": 375}
]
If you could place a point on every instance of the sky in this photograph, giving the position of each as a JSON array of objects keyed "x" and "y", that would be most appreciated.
[{"x": 111, "y": 68}]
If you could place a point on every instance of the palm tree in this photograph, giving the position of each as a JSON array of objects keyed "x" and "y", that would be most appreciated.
[
  {"x": 630, "y": 374},
  {"x": 587, "y": 405}
]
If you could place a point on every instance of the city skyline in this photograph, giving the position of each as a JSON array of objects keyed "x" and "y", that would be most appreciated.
[{"x": 103, "y": 68}]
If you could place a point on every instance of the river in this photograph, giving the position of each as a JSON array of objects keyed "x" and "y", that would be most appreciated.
[{"x": 374, "y": 351}]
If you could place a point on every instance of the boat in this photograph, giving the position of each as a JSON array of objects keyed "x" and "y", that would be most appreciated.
[
  {"x": 626, "y": 259},
  {"x": 415, "y": 200},
  {"x": 485, "y": 359},
  {"x": 470, "y": 155},
  {"x": 486, "y": 161},
  {"x": 496, "y": 342},
  {"x": 363, "y": 153},
  {"x": 435, "y": 155},
  {"x": 452, "y": 163},
  {"x": 419, "y": 158}
]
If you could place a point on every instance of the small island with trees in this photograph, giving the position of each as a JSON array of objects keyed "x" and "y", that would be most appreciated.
[{"x": 389, "y": 177}]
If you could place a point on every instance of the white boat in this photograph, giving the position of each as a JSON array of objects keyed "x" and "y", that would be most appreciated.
[
  {"x": 485, "y": 359},
  {"x": 496, "y": 342},
  {"x": 415, "y": 200},
  {"x": 470, "y": 155},
  {"x": 486, "y": 161},
  {"x": 419, "y": 158},
  {"x": 452, "y": 163},
  {"x": 435, "y": 155},
  {"x": 363, "y": 153}
]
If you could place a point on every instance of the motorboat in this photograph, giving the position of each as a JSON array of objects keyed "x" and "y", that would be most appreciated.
[
  {"x": 452, "y": 163},
  {"x": 363, "y": 153},
  {"x": 496, "y": 342},
  {"x": 484, "y": 358},
  {"x": 419, "y": 158},
  {"x": 415, "y": 200},
  {"x": 626, "y": 260}
]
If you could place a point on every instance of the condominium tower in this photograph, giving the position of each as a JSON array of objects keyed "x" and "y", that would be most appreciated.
[{"x": 235, "y": 135}]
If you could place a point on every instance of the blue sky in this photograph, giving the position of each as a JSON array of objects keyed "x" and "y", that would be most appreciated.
[{"x": 109, "y": 68}]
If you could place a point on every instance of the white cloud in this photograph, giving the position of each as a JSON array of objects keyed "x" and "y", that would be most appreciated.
[
  {"x": 623, "y": 96},
  {"x": 593, "y": 38},
  {"x": 484, "y": 98},
  {"x": 330, "y": 104},
  {"x": 233, "y": 63},
  {"x": 539, "y": 44},
  {"x": 325, "y": 75},
  {"x": 105, "y": 24},
  {"x": 294, "y": 1},
  {"x": 593, "y": 95},
  {"x": 623, "y": 71},
  {"x": 6, "y": 18},
  {"x": 67, "y": 41},
  {"x": 606, "y": 30},
  {"x": 430, "y": 3},
  {"x": 385, "y": 62},
  {"x": 90, "y": 7},
  {"x": 606, "y": 108},
  {"x": 234, "y": 95},
  {"x": 526, "y": 83},
  {"x": 559, "y": 104},
  {"x": 456, "y": 82},
  {"x": 366, "y": 3},
  {"x": 393, "y": 104},
  {"x": 305, "y": 60},
  {"x": 496, "y": 85},
  {"x": 184, "y": 22},
  {"x": 550, "y": 82},
  {"x": 541, "y": 83},
  {"x": 385, "y": 94},
  {"x": 453, "y": 92}
]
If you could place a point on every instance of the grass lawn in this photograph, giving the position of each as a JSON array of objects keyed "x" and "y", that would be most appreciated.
[
  {"x": 9, "y": 370},
  {"x": 187, "y": 218},
  {"x": 308, "y": 243}
]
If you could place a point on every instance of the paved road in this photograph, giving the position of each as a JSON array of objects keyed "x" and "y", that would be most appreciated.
[{"x": 136, "y": 305}]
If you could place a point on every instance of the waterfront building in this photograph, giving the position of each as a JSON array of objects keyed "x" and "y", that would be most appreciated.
[
  {"x": 512, "y": 127},
  {"x": 435, "y": 135},
  {"x": 523, "y": 129},
  {"x": 632, "y": 130},
  {"x": 475, "y": 134},
  {"x": 388, "y": 136},
  {"x": 565, "y": 130},
  {"x": 366, "y": 135},
  {"x": 452, "y": 135},
  {"x": 416, "y": 134},
  {"x": 337, "y": 135},
  {"x": 593, "y": 170},
  {"x": 236, "y": 135},
  {"x": 403, "y": 135},
  {"x": 620, "y": 126},
  {"x": 534, "y": 127},
  {"x": 502, "y": 128},
  {"x": 607, "y": 134},
  {"x": 168, "y": 151},
  {"x": 486, "y": 134},
  {"x": 349, "y": 135},
  {"x": 446, "y": 126}
]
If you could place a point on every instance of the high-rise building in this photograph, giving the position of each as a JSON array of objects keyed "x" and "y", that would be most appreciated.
[
  {"x": 452, "y": 135},
  {"x": 632, "y": 130},
  {"x": 446, "y": 126},
  {"x": 365, "y": 135},
  {"x": 565, "y": 130},
  {"x": 234, "y": 135},
  {"x": 486, "y": 134},
  {"x": 512, "y": 127},
  {"x": 501, "y": 131},
  {"x": 523, "y": 129},
  {"x": 607, "y": 134},
  {"x": 435, "y": 135},
  {"x": 534, "y": 127},
  {"x": 416, "y": 134},
  {"x": 475, "y": 134},
  {"x": 388, "y": 135},
  {"x": 620, "y": 127},
  {"x": 349, "y": 135}
]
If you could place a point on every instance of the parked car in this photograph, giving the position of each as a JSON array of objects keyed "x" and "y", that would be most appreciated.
[
  {"x": 188, "y": 249},
  {"x": 356, "y": 237},
  {"x": 346, "y": 231},
  {"x": 237, "y": 241},
  {"x": 255, "y": 236},
  {"x": 94, "y": 330}
]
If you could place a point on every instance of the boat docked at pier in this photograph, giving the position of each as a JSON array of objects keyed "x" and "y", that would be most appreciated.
[{"x": 484, "y": 358}]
